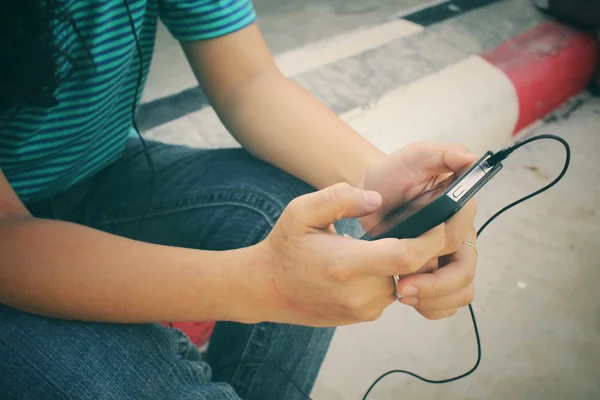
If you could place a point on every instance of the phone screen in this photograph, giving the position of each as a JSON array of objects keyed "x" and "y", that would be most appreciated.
[
  {"x": 406, "y": 210},
  {"x": 468, "y": 176}
]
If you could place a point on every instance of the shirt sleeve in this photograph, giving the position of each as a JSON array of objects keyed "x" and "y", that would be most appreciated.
[{"x": 191, "y": 20}]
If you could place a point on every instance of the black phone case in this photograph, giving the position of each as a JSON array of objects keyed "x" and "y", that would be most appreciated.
[{"x": 438, "y": 211}]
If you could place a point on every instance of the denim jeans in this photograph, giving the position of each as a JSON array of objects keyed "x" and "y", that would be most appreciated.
[{"x": 203, "y": 199}]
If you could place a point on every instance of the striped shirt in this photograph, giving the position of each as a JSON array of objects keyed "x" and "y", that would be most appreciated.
[{"x": 43, "y": 151}]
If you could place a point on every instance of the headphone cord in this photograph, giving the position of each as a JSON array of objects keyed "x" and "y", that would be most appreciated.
[
  {"x": 138, "y": 86},
  {"x": 499, "y": 156}
]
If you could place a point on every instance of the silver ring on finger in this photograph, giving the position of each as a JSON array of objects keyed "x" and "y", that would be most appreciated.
[
  {"x": 396, "y": 280},
  {"x": 471, "y": 245}
]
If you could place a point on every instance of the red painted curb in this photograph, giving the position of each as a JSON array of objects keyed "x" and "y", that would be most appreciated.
[
  {"x": 547, "y": 65},
  {"x": 198, "y": 332}
]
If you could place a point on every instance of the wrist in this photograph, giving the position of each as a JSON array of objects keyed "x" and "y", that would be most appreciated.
[
  {"x": 249, "y": 291},
  {"x": 370, "y": 160}
]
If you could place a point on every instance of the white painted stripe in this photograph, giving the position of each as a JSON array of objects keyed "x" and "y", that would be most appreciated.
[
  {"x": 291, "y": 63},
  {"x": 470, "y": 102},
  {"x": 529, "y": 130},
  {"x": 421, "y": 7},
  {"x": 318, "y": 54}
]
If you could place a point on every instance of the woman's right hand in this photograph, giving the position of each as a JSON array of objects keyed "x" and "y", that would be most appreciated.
[{"x": 312, "y": 276}]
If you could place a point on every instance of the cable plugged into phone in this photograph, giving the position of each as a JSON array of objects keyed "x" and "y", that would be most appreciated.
[
  {"x": 492, "y": 161},
  {"x": 499, "y": 156},
  {"x": 507, "y": 151}
]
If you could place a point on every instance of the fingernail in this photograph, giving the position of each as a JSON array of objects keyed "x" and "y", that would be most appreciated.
[
  {"x": 409, "y": 301},
  {"x": 372, "y": 198},
  {"x": 409, "y": 291}
]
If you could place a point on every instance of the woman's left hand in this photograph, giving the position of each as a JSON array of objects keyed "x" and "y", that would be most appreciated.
[
  {"x": 439, "y": 294},
  {"x": 399, "y": 177}
]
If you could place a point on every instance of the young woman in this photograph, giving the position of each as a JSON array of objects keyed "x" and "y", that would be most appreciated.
[{"x": 97, "y": 245}]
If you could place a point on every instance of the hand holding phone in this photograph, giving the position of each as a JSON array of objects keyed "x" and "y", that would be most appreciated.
[
  {"x": 444, "y": 284},
  {"x": 436, "y": 205}
]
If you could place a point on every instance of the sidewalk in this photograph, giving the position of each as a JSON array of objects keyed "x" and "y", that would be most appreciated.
[{"x": 536, "y": 295}]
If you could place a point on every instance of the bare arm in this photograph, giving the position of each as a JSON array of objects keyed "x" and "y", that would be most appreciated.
[
  {"x": 273, "y": 117},
  {"x": 64, "y": 270}
]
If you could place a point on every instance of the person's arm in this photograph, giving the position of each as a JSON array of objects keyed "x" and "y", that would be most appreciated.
[
  {"x": 302, "y": 273},
  {"x": 64, "y": 270},
  {"x": 274, "y": 118}
]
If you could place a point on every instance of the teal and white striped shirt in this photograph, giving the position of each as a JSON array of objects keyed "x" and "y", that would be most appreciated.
[{"x": 43, "y": 151}]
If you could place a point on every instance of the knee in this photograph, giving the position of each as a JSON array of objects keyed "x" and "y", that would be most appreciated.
[{"x": 58, "y": 359}]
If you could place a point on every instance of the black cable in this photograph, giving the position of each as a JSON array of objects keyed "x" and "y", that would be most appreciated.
[
  {"x": 437, "y": 382},
  {"x": 134, "y": 104},
  {"x": 506, "y": 152},
  {"x": 140, "y": 74},
  {"x": 499, "y": 156}
]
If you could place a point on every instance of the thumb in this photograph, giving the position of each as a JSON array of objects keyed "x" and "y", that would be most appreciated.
[
  {"x": 440, "y": 158},
  {"x": 456, "y": 160},
  {"x": 323, "y": 208}
]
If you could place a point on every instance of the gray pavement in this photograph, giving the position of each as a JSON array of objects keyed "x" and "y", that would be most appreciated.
[
  {"x": 537, "y": 298},
  {"x": 286, "y": 25},
  {"x": 290, "y": 24},
  {"x": 172, "y": 93}
]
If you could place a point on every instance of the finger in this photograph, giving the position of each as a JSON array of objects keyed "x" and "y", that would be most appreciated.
[
  {"x": 387, "y": 292},
  {"x": 459, "y": 299},
  {"x": 464, "y": 251},
  {"x": 364, "y": 299},
  {"x": 429, "y": 267},
  {"x": 433, "y": 315},
  {"x": 387, "y": 257},
  {"x": 440, "y": 158},
  {"x": 460, "y": 227},
  {"x": 376, "y": 307},
  {"x": 323, "y": 208},
  {"x": 458, "y": 274}
]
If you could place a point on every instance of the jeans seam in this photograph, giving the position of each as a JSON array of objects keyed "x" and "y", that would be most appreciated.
[
  {"x": 181, "y": 347},
  {"x": 255, "y": 342},
  {"x": 259, "y": 229},
  {"x": 197, "y": 203}
]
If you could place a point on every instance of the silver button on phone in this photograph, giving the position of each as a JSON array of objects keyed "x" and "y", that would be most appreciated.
[{"x": 458, "y": 192}]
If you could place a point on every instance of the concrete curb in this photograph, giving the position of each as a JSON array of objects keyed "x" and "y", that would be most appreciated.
[
  {"x": 485, "y": 100},
  {"x": 547, "y": 66}
]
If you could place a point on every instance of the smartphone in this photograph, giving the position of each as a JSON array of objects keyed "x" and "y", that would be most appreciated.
[{"x": 436, "y": 205}]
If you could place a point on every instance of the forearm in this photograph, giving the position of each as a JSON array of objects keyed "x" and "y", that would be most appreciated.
[
  {"x": 69, "y": 271},
  {"x": 278, "y": 121}
]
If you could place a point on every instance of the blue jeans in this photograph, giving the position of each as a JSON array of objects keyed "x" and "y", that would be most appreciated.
[{"x": 202, "y": 199}]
